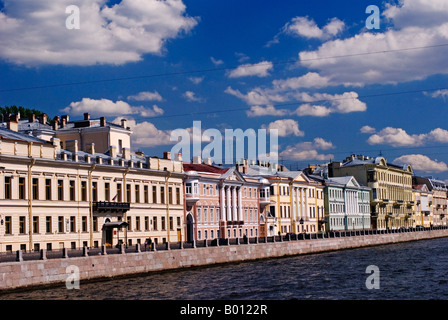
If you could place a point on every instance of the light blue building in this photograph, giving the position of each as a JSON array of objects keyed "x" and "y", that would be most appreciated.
[{"x": 347, "y": 203}]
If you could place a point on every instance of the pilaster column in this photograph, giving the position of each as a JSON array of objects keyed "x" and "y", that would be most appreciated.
[
  {"x": 228, "y": 211},
  {"x": 240, "y": 205},
  {"x": 234, "y": 209}
]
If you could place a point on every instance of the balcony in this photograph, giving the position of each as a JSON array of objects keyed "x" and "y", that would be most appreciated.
[{"x": 110, "y": 207}]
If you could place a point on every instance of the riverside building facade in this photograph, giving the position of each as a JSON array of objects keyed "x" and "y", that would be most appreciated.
[
  {"x": 223, "y": 202},
  {"x": 53, "y": 198},
  {"x": 391, "y": 197}
]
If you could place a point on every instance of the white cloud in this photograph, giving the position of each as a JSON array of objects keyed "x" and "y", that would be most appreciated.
[
  {"x": 257, "y": 96},
  {"x": 308, "y": 150},
  {"x": 438, "y": 93},
  {"x": 416, "y": 24},
  {"x": 34, "y": 33},
  {"x": 396, "y": 137},
  {"x": 191, "y": 97},
  {"x": 305, "y": 27},
  {"x": 367, "y": 129},
  {"x": 196, "y": 80},
  {"x": 285, "y": 127},
  {"x": 146, "y": 134},
  {"x": 312, "y": 110},
  {"x": 146, "y": 96},
  {"x": 260, "y": 69},
  {"x": 269, "y": 110},
  {"x": 216, "y": 62},
  {"x": 106, "y": 107},
  {"x": 422, "y": 163}
]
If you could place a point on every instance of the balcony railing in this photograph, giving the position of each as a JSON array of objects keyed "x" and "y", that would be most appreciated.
[{"x": 107, "y": 206}]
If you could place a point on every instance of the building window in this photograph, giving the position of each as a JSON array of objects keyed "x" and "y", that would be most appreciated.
[
  {"x": 170, "y": 195},
  {"x": 48, "y": 224},
  {"x": 60, "y": 224},
  {"x": 178, "y": 221},
  {"x": 84, "y": 223},
  {"x": 137, "y": 193},
  {"x": 154, "y": 223},
  {"x": 178, "y": 196},
  {"x": 8, "y": 225},
  {"x": 94, "y": 191},
  {"x": 128, "y": 193},
  {"x": 107, "y": 191},
  {"x": 129, "y": 223},
  {"x": 47, "y": 189},
  {"x": 95, "y": 223},
  {"x": 162, "y": 194},
  {"x": 163, "y": 224},
  {"x": 154, "y": 194},
  {"x": 137, "y": 223},
  {"x": 21, "y": 188},
  {"x": 60, "y": 190},
  {"x": 119, "y": 192},
  {"x": 72, "y": 190},
  {"x": 35, "y": 188},
  {"x": 7, "y": 187},
  {"x": 22, "y": 225},
  {"x": 83, "y": 191},
  {"x": 72, "y": 224},
  {"x": 145, "y": 194},
  {"x": 146, "y": 223},
  {"x": 188, "y": 188},
  {"x": 171, "y": 223},
  {"x": 35, "y": 224}
]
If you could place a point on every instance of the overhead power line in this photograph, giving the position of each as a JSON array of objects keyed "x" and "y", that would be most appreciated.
[{"x": 187, "y": 72}]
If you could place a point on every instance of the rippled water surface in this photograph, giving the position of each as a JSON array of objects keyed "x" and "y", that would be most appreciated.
[{"x": 413, "y": 270}]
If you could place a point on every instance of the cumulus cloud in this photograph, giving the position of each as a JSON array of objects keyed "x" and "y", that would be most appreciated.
[
  {"x": 285, "y": 127},
  {"x": 34, "y": 33},
  {"x": 269, "y": 110},
  {"x": 146, "y": 134},
  {"x": 306, "y": 27},
  {"x": 216, "y": 62},
  {"x": 367, "y": 129},
  {"x": 108, "y": 107},
  {"x": 260, "y": 69},
  {"x": 422, "y": 163},
  {"x": 416, "y": 24},
  {"x": 398, "y": 137},
  {"x": 146, "y": 96},
  {"x": 191, "y": 97},
  {"x": 308, "y": 150},
  {"x": 443, "y": 93}
]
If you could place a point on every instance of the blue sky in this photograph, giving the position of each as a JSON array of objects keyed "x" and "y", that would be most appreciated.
[{"x": 310, "y": 69}]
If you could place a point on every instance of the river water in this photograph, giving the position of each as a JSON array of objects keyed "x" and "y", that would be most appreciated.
[{"x": 412, "y": 270}]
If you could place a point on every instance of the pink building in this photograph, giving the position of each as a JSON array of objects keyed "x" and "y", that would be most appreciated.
[{"x": 223, "y": 203}]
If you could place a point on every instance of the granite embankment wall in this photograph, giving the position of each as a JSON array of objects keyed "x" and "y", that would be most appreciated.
[{"x": 53, "y": 272}]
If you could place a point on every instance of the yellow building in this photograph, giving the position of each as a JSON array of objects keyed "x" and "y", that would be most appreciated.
[
  {"x": 391, "y": 198},
  {"x": 52, "y": 198},
  {"x": 297, "y": 202},
  {"x": 422, "y": 206}
]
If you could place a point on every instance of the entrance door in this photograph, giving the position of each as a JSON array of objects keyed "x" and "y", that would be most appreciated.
[
  {"x": 109, "y": 237},
  {"x": 190, "y": 227}
]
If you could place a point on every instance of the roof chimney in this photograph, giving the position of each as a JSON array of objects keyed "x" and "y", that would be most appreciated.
[
  {"x": 86, "y": 116},
  {"x": 167, "y": 155},
  {"x": 13, "y": 123},
  {"x": 102, "y": 121},
  {"x": 43, "y": 118},
  {"x": 197, "y": 159},
  {"x": 123, "y": 123},
  {"x": 178, "y": 157},
  {"x": 32, "y": 117}
]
